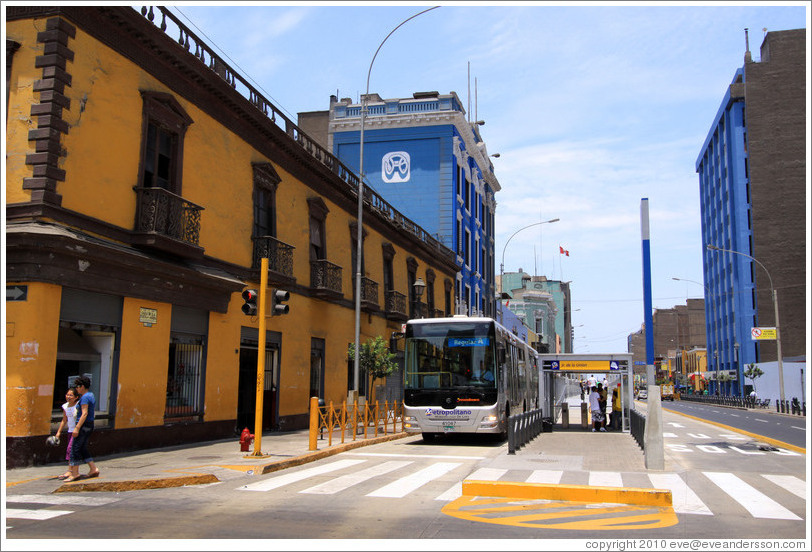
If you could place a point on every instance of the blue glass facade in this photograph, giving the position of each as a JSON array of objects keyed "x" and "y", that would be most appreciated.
[
  {"x": 724, "y": 188},
  {"x": 430, "y": 163}
]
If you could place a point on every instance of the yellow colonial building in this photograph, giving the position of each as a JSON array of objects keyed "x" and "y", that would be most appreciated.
[{"x": 145, "y": 181}]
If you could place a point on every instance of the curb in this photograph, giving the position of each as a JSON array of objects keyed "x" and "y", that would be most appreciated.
[
  {"x": 136, "y": 484},
  {"x": 569, "y": 493},
  {"x": 201, "y": 479}
]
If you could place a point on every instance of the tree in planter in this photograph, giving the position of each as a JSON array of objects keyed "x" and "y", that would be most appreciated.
[
  {"x": 723, "y": 378},
  {"x": 375, "y": 360},
  {"x": 752, "y": 373}
]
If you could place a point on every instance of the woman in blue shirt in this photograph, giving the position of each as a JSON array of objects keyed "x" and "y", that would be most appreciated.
[{"x": 85, "y": 416}]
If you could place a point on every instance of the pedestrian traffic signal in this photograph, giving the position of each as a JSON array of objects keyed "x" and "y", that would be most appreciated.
[
  {"x": 278, "y": 297},
  {"x": 250, "y": 296}
]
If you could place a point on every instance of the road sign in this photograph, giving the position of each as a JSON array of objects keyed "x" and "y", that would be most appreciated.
[
  {"x": 759, "y": 334},
  {"x": 584, "y": 365},
  {"x": 16, "y": 293}
]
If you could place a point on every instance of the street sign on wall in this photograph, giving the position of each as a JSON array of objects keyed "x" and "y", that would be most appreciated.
[
  {"x": 583, "y": 365},
  {"x": 763, "y": 334}
]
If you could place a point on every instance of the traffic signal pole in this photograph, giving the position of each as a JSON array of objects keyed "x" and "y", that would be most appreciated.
[{"x": 263, "y": 288}]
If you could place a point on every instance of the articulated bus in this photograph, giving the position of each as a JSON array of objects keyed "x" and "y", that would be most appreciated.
[{"x": 466, "y": 375}]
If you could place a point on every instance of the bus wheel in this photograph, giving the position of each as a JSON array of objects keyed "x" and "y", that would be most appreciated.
[{"x": 430, "y": 437}]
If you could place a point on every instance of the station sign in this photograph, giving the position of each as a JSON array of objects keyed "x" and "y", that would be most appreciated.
[
  {"x": 767, "y": 334},
  {"x": 582, "y": 365}
]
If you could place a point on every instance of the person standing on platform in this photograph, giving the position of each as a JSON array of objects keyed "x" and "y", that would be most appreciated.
[
  {"x": 617, "y": 415},
  {"x": 595, "y": 408}
]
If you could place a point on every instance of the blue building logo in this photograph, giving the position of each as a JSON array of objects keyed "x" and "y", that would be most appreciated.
[{"x": 396, "y": 167}]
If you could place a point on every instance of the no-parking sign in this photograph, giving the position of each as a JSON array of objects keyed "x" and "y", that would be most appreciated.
[{"x": 762, "y": 334}]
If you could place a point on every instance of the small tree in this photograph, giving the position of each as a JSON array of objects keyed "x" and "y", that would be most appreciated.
[
  {"x": 375, "y": 361},
  {"x": 752, "y": 373}
]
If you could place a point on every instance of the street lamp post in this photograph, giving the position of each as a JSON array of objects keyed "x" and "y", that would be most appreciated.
[
  {"x": 360, "y": 241},
  {"x": 502, "y": 266},
  {"x": 715, "y": 329},
  {"x": 775, "y": 308},
  {"x": 419, "y": 286}
]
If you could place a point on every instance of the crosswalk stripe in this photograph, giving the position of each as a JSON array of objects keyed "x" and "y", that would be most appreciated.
[
  {"x": 405, "y": 485},
  {"x": 758, "y": 504},
  {"x": 482, "y": 474},
  {"x": 68, "y": 498},
  {"x": 551, "y": 477},
  {"x": 287, "y": 479},
  {"x": 683, "y": 499},
  {"x": 605, "y": 479},
  {"x": 17, "y": 513},
  {"x": 790, "y": 483},
  {"x": 346, "y": 481}
]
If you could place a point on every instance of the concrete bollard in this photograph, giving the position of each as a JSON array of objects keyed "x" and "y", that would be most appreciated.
[
  {"x": 565, "y": 415},
  {"x": 584, "y": 416}
]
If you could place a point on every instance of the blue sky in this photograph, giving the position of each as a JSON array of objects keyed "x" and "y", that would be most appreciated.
[{"x": 591, "y": 107}]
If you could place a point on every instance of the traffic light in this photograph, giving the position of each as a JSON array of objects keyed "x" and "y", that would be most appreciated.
[
  {"x": 250, "y": 296},
  {"x": 278, "y": 297}
]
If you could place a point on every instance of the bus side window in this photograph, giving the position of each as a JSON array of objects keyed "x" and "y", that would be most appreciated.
[{"x": 500, "y": 354}]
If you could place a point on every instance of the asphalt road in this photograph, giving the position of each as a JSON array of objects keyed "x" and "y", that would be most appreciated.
[
  {"x": 724, "y": 488},
  {"x": 788, "y": 429}
]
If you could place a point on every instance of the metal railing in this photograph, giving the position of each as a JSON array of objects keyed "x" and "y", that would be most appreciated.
[
  {"x": 167, "y": 214},
  {"x": 325, "y": 276},
  {"x": 396, "y": 304},
  {"x": 353, "y": 420},
  {"x": 523, "y": 428},
  {"x": 278, "y": 253},
  {"x": 637, "y": 423},
  {"x": 369, "y": 291}
]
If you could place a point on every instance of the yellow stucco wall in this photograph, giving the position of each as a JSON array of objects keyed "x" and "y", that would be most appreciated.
[
  {"x": 21, "y": 97},
  {"x": 143, "y": 365},
  {"x": 223, "y": 362},
  {"x": 32, "y": 332}
]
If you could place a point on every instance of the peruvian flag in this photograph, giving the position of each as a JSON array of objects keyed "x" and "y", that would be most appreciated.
[{"x": 563, "y": 251}]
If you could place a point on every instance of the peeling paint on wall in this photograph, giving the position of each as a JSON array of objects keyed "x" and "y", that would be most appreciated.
[
  {"x": 46, "y": 390},
  {"x": 29, "y": 350}
]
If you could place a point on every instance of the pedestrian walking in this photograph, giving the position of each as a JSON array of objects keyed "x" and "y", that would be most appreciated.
[
  {"x": 602, "y": 392},
  {"x": 86, "y": 414},
  {"x": 69, "y": 422},
  {"x": 595, "y": 408}
]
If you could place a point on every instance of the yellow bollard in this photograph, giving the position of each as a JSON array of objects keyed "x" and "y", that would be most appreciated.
[
  {"x": 343, "y": 419},
  {"x": 330, "y": 423},
  {"x": 314, "y": 421}
]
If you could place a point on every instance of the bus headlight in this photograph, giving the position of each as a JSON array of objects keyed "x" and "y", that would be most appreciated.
[
  {"x": 489, "y": 421},
  {"x": 410, "y": 422}
]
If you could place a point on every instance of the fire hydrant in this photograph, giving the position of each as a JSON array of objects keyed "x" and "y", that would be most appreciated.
[{"x": 246, "y": 438}]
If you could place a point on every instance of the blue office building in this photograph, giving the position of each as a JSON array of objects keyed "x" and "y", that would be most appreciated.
[
  {"x": 752, "y": 175},
  {"x": 429, "y": 161}
]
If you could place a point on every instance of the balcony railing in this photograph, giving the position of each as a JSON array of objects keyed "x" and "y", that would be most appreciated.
[
  {"x": 167, "y": 221},
  {"x": 369, "y": 294},
  {"x": 279, "y": 255},
  {"x": 396, "y": 306},
  {"x": 325, "y": 278}
]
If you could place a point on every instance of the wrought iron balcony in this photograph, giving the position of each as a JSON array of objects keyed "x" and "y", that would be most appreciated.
[
  {"x": 279, "y": 255},
  {"x": 325, "y": 278},
  {"x": 396, "y": 306},
  {"x": 167, "y": 222},
  {"x": 369, "y": 294}
]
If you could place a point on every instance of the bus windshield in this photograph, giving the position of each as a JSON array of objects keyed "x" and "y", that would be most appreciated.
[{"x": 442, "y": 356}]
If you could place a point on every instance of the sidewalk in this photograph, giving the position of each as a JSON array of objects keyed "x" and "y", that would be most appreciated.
[
  {"x": 194, "y": 464},
  {"x": 573, "y": 449}
]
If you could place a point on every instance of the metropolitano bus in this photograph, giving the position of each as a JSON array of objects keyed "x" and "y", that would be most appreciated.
[{"x": 465, "y": 375}]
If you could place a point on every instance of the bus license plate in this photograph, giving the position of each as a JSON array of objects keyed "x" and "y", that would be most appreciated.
[{"x": 448, "y": 427}]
